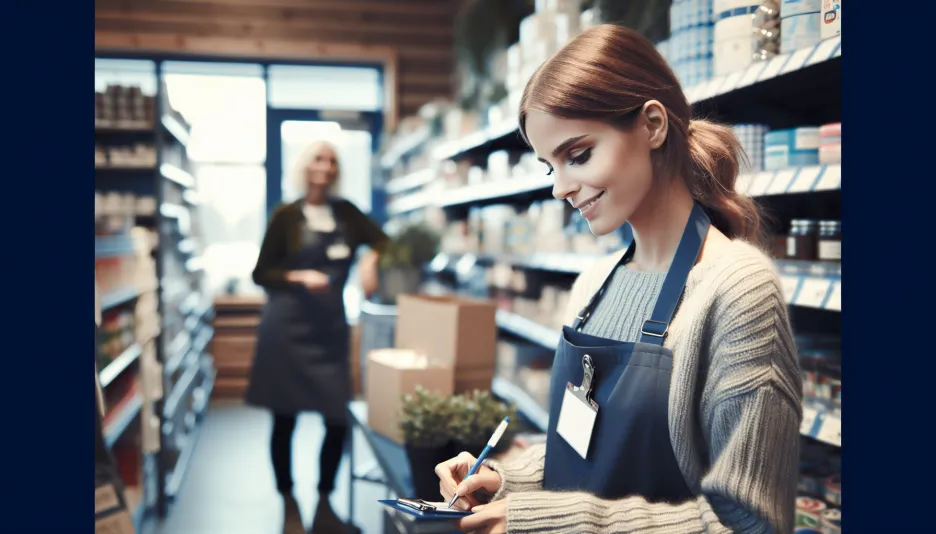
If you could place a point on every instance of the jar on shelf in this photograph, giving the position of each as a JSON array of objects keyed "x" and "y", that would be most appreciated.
[
  {"x": 830, "y": 241},
  {"x": 803, "y": 241},
  {"x": 779, "y": 246}
]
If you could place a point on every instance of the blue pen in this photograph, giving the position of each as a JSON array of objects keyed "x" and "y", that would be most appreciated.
[{"x": 501, "y": 428}]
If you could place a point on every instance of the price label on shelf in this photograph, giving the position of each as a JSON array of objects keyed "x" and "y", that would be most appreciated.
[
  {"x": 790, "y": 285},
  {"x": 805, "y": 178},
  {"x": 824, "y": 50},
  {"x": 831, "y": 178},
  {"x": 831, "y": 430},
  {"x": 809, "y": 418},
  {"x": 751, "y": 74},
  {"x": 813, "y": 292},
  {"x": 797, "y": 60},
  {"x": 773, "y": 68},
  {"x": 835, "y": 297},
  {"x": 781, "y": 181}
]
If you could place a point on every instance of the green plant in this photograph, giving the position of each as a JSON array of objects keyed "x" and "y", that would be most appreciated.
[
  {"x": 413, "y": 246},
  {"x": 425, "y": 418},
  {"x": 475, "y": 416}
]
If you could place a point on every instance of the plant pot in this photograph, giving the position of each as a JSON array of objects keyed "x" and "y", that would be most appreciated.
[{"x": 423, "y": 461}]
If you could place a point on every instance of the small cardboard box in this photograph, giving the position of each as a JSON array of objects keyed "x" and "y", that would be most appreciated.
[
  {"x": 458, "y": 332},
  {"x": 392, "y": 373}
]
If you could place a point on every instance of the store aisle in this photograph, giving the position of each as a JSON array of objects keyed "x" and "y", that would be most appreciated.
[{"x": 229, "y": 487}]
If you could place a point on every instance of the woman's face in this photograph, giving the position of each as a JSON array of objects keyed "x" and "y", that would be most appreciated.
[
  {"x": 602, "y": 171},
  {"x": 322, "y": 170}
]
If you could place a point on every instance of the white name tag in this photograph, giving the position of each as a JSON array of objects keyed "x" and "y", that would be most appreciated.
[
  {"x": 576, "y": 422},
  {"x": 338, "y": 251}
]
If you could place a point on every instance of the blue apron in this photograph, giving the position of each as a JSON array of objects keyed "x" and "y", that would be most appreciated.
[{"x": 630, "y": 452}]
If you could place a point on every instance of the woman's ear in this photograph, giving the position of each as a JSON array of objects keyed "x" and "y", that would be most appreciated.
[{"x": 657, "y": 123}]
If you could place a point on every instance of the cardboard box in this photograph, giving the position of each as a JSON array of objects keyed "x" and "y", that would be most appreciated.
[
  {"x": 392, "y": 373},
  {"x": 457, "y": 332}
]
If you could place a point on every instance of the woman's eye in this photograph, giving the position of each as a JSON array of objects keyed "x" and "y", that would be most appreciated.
[{"x": 580, "y": 158}]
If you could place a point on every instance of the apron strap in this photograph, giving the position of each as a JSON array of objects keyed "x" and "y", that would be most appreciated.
[
  {"x": 593, "y": 303},
  {"x": 654, "y": 329}
]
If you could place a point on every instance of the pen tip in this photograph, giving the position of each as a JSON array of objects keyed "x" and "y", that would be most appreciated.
[{"x": 507, "y": 419}]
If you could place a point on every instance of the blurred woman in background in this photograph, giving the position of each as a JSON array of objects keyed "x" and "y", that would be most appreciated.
[{"x": 302, "y": 357}]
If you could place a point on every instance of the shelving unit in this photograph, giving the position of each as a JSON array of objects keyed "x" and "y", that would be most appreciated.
[
  {"x": 790, "y": 90},
  {"x": 173, "y": 342}
]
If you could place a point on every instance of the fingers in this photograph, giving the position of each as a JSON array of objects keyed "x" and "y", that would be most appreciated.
[
  {"x": 450, "y": 473},
  {"x": 487, "y": 480}
]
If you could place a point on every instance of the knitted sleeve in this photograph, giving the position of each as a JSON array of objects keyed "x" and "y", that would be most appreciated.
[{"x": 750, "y": 427}]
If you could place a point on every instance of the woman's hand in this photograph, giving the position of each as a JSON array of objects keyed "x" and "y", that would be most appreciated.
[
  {"x": 312, "y": 280},
  {"x": 452, "y": 481},
  {"x": 486, "y": 519}
]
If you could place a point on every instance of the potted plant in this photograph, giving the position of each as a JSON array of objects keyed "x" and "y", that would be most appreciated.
[
  {"x": 424, "y": 423},
  {"x": 474, "y": 418},
  {"x": 402, "y": 262}
]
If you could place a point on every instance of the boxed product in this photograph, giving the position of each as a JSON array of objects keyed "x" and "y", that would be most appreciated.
[
  {"x": 392, "y": 373},
  {"x": 795, "y": 147},
  {"x": 457, "y": 332},
  {"x": 831, "y": 18}
]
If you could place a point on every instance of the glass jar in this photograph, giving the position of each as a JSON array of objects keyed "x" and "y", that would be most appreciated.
[
  {"x": 779, "y": 248},
  {"x": 830, "y": 241},
  {"x": 803, "y": 241}
]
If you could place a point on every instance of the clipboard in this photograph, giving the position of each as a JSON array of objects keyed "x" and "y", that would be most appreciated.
[{"x": 425, "y": 511}]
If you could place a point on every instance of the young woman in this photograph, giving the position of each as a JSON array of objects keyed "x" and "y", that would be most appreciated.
[
  {"x": 675, "y": 396},
  {"x": 302, "y": 357}
]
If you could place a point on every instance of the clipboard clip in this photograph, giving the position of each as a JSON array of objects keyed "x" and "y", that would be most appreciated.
[
  {"x": 417, "y": 504},
  {"x": 584, "y": 391}
]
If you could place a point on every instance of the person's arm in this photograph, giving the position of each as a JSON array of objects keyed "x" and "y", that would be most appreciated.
[
  {"x": 269, "y": 273},
  {"x": 752, "y": 434},
  {"x": 369, "y": 233}
]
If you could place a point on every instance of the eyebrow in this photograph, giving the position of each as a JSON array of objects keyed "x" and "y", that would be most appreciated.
[{"x": 564, "y": 146}]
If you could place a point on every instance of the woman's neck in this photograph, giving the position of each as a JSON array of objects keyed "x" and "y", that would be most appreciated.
[
  {"x": 658, "y": 226},
  {"x": 315, "y": 198}
]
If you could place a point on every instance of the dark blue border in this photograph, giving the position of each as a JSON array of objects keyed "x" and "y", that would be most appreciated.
[
  {"x": 889, "y": 198},
  {"x": 48, "y": 360}
]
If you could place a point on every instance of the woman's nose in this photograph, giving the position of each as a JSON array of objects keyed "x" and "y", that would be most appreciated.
[{"x": 563, "y": 188}]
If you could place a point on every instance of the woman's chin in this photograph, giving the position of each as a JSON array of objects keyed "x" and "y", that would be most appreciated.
[{"x": 600, "y": 227}]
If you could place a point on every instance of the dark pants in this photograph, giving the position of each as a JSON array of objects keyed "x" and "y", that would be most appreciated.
[{"x": 281, "y": 452}]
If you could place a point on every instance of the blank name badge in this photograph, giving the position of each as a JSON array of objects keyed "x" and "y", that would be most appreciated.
[
  {"x": 338, "y": 251},
  {"x": 578, "y": 412}
]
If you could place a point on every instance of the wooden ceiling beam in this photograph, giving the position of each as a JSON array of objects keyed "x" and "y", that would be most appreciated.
[{"x": 261, "y": 30}]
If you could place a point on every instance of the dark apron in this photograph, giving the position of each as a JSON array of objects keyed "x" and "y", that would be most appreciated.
[
  {"x": 630, "y": 452},
  {"x": 302, "y": 358}
]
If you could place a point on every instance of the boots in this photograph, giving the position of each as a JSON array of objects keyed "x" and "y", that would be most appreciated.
[{"x": 326, "y": 521}]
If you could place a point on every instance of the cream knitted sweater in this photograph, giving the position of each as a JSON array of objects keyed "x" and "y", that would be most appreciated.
[{"x": 734, "y": 411}]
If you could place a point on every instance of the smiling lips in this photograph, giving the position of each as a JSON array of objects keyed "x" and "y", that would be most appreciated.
[{"x": 587, "y": 208}]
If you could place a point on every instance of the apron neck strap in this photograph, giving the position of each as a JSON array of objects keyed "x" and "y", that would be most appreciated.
[
  {"x": 596, "y": 297},
  {"x": 654, "y": 329}
]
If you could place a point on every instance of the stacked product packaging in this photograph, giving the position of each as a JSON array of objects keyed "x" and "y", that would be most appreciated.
[{"x": 689, "y": 48}]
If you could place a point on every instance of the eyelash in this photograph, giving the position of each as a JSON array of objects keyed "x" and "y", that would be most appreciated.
[{"x": 581, "y": 159}]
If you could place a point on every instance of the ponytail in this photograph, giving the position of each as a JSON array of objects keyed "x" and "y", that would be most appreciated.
[{"x": 716, "y": 155}]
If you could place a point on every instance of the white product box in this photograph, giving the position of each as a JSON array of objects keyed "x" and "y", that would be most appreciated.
[{"x": 831, "y": 18}]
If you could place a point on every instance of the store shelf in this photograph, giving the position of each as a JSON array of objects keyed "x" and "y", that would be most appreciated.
[
  {"x": 412, "y": 202},
  {"x": 812, "y": 284},
  {"x": 177, "y": 476},
  {"x": 178, "y": 130},
  {"x": 552, "y": 262},
  {"x": 527, "y": 329},
  {"x": 822, "y": 425},
  {"x": 404, "y": 146},
  {"x": 411, "y": 181},
  {"x": 117, "y": 297},
  {"x": 761, "y": 72},
  {"x": 120, "y": 364},
  {"x": 809, "y": 179},
  {"x": 181, "y": 390},
  {"x": 492, "y": 133},
  {"x": 177, "y": 175},
  {"x": 122, "y": 127},
  {"x": 120, "y": 418},
  {"x": 525, "y": 404},
  {"x": 177, "y": 352},
  {"x": 115, "y": 169}
]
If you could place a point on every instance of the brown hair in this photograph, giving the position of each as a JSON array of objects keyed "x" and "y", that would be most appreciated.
[{"x": 608, "y": 73}]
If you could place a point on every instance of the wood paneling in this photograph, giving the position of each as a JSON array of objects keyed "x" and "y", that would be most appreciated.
[{"x": 412, "y": 39}]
